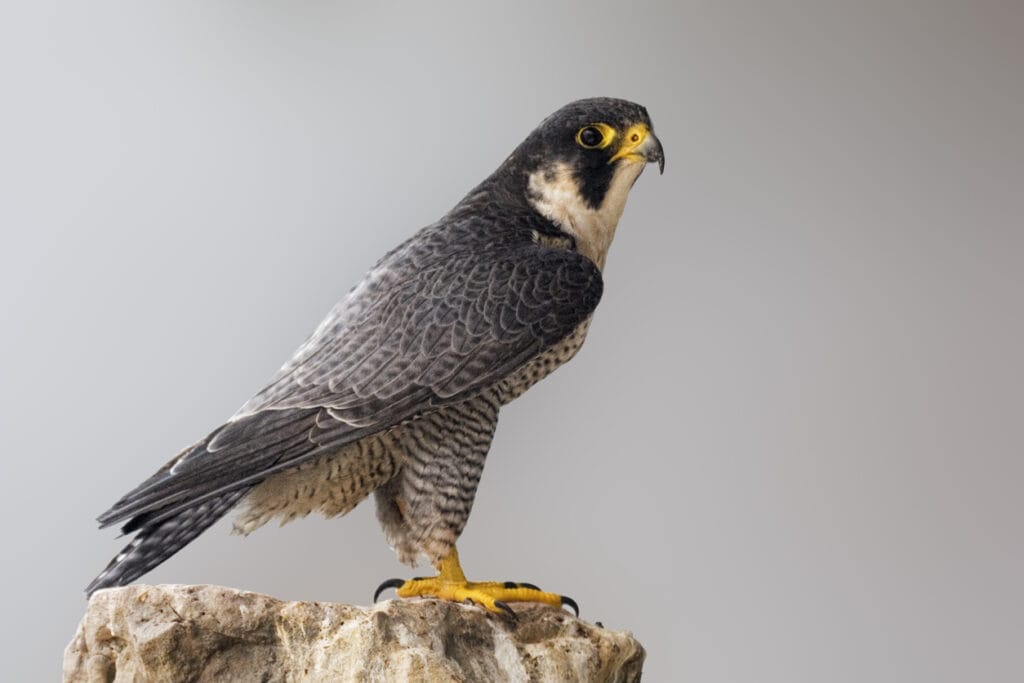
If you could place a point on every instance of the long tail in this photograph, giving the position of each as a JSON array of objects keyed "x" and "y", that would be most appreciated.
[
  {"x": 200, "y": 484},
  {"x": 156, "y": 541}
]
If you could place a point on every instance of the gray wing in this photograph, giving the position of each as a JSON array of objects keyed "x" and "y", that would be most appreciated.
[{"x": 442, "y": 317}]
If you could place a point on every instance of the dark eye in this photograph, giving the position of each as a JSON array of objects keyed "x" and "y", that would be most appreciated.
[{"x": 590, "y": 137}]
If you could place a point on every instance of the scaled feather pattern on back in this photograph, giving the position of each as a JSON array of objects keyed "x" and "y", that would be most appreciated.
[{"x": 451, "y": 311}]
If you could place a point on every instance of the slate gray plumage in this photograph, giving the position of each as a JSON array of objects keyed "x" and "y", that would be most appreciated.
[{"x": 397, "y": 391}]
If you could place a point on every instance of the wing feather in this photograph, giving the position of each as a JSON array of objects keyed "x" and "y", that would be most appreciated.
[{"x": 451, "y": 312}]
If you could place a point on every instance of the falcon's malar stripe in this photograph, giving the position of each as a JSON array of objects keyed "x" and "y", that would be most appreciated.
[{"x": 555, "y": 193}]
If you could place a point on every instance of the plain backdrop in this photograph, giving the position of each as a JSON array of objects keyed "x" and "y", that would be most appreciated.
[{"x": 792, "y": 448}]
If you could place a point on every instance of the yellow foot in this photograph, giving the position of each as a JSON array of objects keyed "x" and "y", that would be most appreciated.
[
  {"x": 494, "y": 596},
  {"x": 491, "y": 595}
]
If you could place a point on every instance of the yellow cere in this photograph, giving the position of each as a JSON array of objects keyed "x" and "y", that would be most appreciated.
[{"x": 633, "y": 138}]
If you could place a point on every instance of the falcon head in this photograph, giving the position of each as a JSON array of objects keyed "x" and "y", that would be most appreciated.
[{"x": 577, "y": 167}]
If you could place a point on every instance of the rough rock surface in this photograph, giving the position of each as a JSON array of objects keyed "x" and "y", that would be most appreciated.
[{"x": 209, "y": 633}]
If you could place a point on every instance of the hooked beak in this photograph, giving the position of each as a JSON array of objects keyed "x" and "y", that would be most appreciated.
[
  {"x": 654, "y": 152},
  {"x": 639, "y": 144}
]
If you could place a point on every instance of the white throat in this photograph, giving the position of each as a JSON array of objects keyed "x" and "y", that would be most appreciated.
[{"x": 555, "y": 194}]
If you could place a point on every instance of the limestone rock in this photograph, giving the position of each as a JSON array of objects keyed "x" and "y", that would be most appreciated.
[{"x": 209, "y": 633}]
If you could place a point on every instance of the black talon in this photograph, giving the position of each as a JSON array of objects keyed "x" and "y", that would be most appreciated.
[
  {"x": 511, "y": 584},
  {"x": 506, "y": 609},
  {"x": 390, "y": 583},
  {"x": 571, "y": 603},
  {"x": 530, "y": 586}
]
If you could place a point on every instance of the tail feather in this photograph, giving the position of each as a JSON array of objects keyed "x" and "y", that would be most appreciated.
[
  {"x": 205, "y": 470},
  {"x": 157, "y": 540}
]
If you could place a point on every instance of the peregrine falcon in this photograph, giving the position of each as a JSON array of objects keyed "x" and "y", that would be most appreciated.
[{"x": 397, "y": 392}]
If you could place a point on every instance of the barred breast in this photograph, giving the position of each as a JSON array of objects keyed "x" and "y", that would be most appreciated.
[{"x": 513, "y": 386}]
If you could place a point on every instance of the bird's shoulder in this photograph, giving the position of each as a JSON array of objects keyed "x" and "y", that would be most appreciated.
[{"x": 449, "y": 309}]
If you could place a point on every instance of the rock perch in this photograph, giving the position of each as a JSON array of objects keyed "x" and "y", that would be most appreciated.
[{"x": 210, "y": 633}]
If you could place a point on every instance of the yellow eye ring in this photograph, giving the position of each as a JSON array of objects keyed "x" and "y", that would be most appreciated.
[{"x": 595, "y": 136}]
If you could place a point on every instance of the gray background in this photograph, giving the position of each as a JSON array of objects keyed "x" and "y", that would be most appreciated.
[{"x": 791, "y": 449}]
